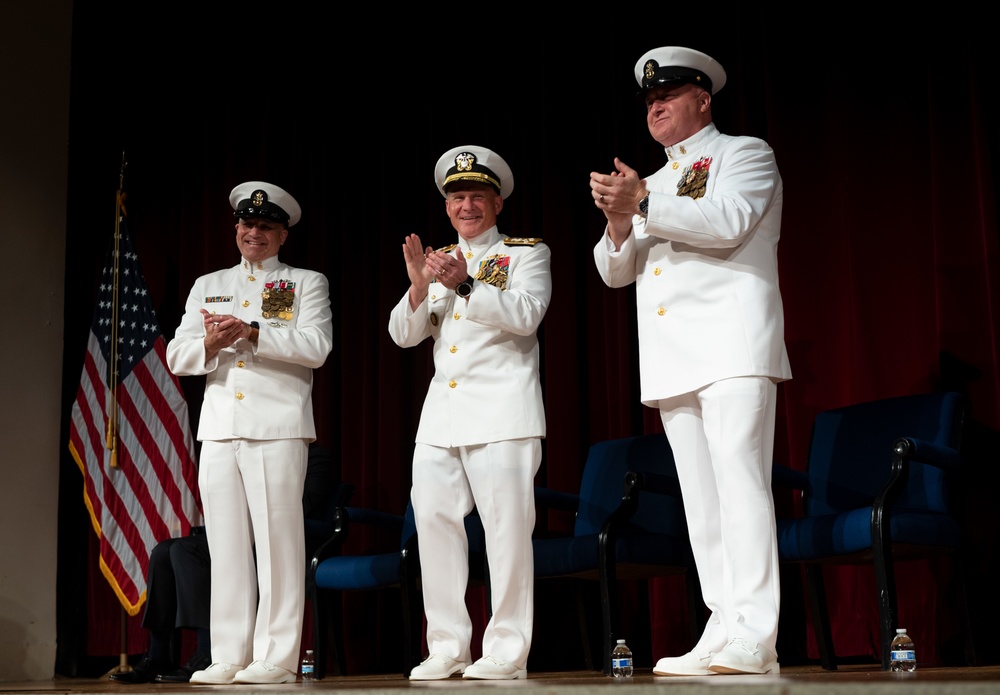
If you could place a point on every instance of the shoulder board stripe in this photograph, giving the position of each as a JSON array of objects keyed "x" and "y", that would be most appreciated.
[{"x": 521, "y": 241}]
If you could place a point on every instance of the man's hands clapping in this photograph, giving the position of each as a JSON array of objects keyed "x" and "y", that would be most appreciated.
[{"x": 618, "y": 194}]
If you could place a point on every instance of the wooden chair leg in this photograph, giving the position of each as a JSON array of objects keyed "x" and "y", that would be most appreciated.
[
  {"x": 885, "y": 584},
  {"x": 609, "y": 614},
  {"x": 820, "y": 618}
]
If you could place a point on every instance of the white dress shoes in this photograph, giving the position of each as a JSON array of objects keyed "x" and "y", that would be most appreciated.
[
  {"x": 689, "y": 664},
  {"x": 260, "y": 672},
  {"x": 492, "y": 669},
  {"x": 437, "y": 667},
  {"x": 216, "y": 674},
  {"x": 745, "y": 656}
]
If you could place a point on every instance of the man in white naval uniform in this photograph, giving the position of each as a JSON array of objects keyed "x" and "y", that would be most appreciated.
[
  {"x": 257, "y": 331},
  {"x": 479, "y": 439},
  {"x": 699, "y": 238}
]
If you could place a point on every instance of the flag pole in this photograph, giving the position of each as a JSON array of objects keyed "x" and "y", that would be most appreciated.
[
  {"x": 111, "y": 441},
  {"x": 112, "y": 438}
]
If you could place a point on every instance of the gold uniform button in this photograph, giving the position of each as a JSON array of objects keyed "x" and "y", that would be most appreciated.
[
  {"x": 675, "y": 166},
  {"x": 434, "y": 296},
  {"x": 457, "y": 316},
  {"x": 239, "y": 396},
  {"x": 661, "y": 311},
  {"x": 246, "y": 302},
  {"x": 241, "y": 364},
  {"x": 453, "y": 349},
  {"x": 468, "y": 254},
  {"x": 453, "y": 383},
  {"x": 253, "y": 279},
  {"x": 656, "y": 271}
]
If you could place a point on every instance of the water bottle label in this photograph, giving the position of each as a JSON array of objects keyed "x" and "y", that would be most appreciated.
[
  {"x": 904, "y": 655},
  {"x": 307, "y": 669},
  {"x": 621, "y": 663}
]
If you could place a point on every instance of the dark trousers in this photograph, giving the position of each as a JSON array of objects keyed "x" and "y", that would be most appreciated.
[{"x": 178, "y": 584}]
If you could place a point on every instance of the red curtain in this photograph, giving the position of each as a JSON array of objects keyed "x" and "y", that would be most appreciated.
[{"x": 888, "y": 257}]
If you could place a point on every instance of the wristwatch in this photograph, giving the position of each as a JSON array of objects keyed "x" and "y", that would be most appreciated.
[
  {"x": 644, "y": 206},
  {"x": 465, "y": 287}
]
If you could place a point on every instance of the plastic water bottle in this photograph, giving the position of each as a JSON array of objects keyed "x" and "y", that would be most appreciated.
[
  {"x": 308, "y": 666},
  {"x": 904, "y": 657},
  {"x": 621, "y": 660}
]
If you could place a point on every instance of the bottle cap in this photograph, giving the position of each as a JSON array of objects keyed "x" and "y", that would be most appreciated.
[
  {"x": 621, "y": 641},
  {"x": 900, "y": 630}
]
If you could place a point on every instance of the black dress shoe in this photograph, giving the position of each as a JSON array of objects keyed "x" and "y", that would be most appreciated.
[
  {"x": 198, "y": 662},
  {"x": 143, "y": 672}
]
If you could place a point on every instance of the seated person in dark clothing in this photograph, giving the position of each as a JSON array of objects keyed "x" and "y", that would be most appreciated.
[{"x": 178, "y": 581}]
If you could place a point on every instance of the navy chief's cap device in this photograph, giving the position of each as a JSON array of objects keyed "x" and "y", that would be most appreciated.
[
  {"x": 262, "y": 200},
  {"x": 669, "y": 65},
  {"x": 476, "y": 164}
]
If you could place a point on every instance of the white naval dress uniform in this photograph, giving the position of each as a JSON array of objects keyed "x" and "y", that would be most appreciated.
[
  {"x": 478, "y": 441},
  {"x": 711, "y": 349},
  {"x": 255, "y": 427}
]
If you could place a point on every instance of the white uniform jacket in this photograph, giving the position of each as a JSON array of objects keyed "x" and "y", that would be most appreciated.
[
  {"x": 486, "y": 386},
  {"x": 706, "y": 269},
  {"x": 263, "y": 392}
]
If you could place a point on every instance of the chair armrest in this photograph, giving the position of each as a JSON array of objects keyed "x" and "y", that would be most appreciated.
[
  {"x": 546, "y": 498},
  {"x": 636, "y": 481},
  {"x": 786, "y": 477},
  {"x": 343, "y": 519},
  {"x": 923, "y": 451},
  {"x": 904, "y": 451}
]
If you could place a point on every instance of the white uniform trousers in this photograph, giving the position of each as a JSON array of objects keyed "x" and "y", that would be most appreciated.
[
  {"x": 722, "y": 437},
  {"x": 251, "y": 493},
  {"x": 498, "y": 479}
]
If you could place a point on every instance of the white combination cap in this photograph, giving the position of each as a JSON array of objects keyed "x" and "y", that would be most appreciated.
[
  {"x": 473, "y": 163},
  {"x": 265, "y": 201},
  {"x": 671, "y": 64}
]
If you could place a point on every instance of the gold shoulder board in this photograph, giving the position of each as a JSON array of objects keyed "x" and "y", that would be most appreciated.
[
  {"x": 521, "y": 241},
  {"x": 446, "y": 249}
]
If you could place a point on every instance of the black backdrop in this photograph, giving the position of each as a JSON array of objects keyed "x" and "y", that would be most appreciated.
[{"x": 885, "y": 137}]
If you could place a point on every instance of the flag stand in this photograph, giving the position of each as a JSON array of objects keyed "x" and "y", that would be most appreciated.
[
  {"x": 123, "y": 665},
  {"x": 127, "y": 406}
]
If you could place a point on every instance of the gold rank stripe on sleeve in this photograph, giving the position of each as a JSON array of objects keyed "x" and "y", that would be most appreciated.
[{"x": 521, "y": 241}]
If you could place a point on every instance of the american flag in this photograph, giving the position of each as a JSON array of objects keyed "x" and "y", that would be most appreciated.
[{"x": 129, "y": 430}]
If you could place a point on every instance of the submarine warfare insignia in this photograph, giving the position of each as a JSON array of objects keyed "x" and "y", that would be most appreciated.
[
  {"x": 694, "y": 178},
  {"x": 493, "y": 271},
  {"x": 278, "y": 299}
]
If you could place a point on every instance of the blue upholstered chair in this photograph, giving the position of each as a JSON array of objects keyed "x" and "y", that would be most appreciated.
[
  {"x": 629, "y": 524},
  {"x": 332, "y": 573},
  {"x": 875, "y": 492}
]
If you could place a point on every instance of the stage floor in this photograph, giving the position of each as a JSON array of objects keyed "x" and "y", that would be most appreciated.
[{"x": 794, "y": 680}]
